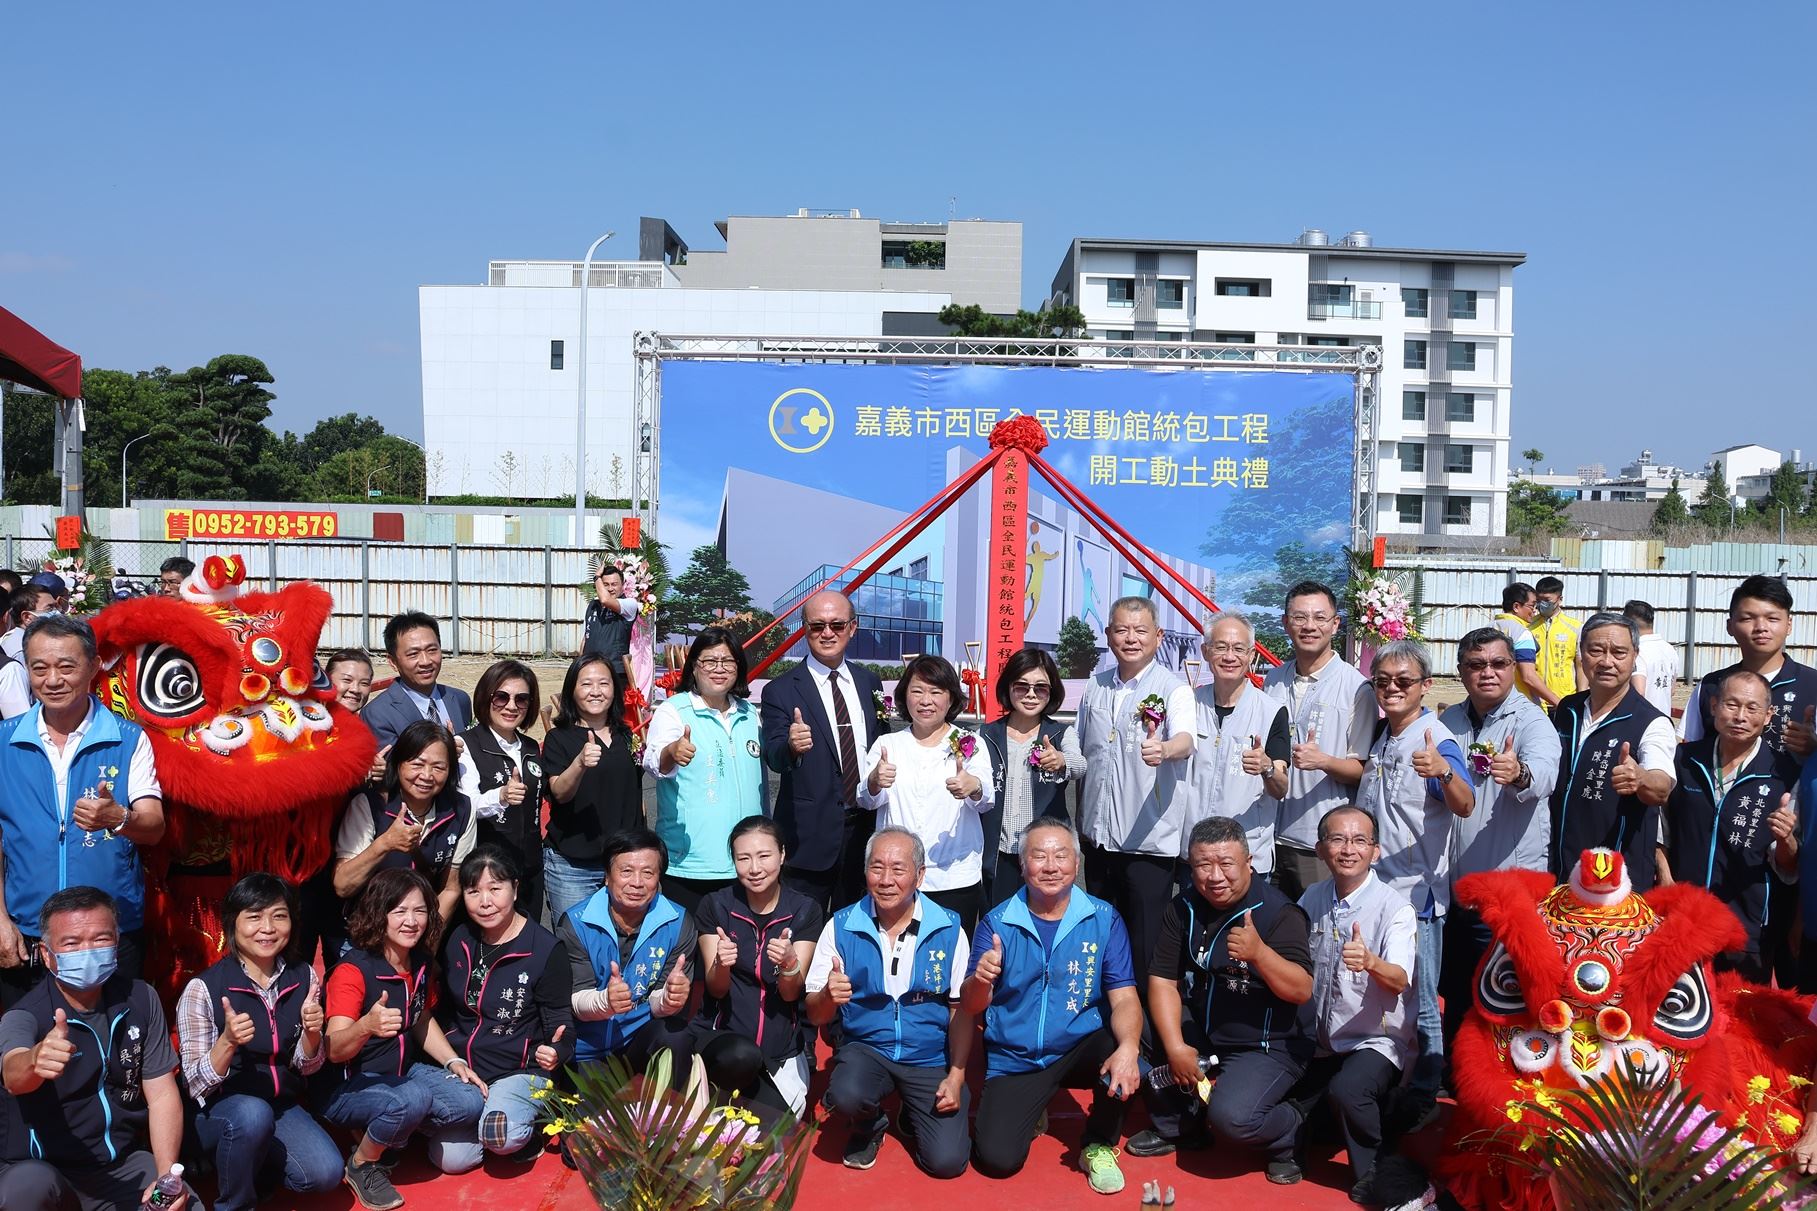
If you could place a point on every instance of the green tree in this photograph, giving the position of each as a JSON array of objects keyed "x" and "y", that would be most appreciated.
[
  {"x": 1078, "y": 654},
  {"x": 1671, "y": 511},
  {"x": 1533, "y": 456},
  {"x": 30, "y": 428},
  {"x": 334, "y": 435},
  {"x": 1534, "y": 509},
  {"x": 972, "y": 320},
  {"x": 1712, "y": 507},
  {"x": 707, "y": 591},
  {"x": 1784, "y": 491}
]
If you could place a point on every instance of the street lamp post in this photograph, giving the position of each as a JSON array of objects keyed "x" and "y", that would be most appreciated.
[
  {"x": 425, "y": 450},
  {"x": 371, "y": 473},
  {"x": 123, "y": 450},
  {"x": 580, "y": 413}
]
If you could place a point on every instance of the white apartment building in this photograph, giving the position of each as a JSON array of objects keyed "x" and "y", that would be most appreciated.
[{"x": 1444, "y": 320}]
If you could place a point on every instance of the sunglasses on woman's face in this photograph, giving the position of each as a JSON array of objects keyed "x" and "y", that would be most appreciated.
[{"x": 500, "y": 698}]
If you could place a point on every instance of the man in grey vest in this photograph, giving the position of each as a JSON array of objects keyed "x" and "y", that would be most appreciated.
[
  {"x": 1239, "y": 769},
  {"x": 1136, "y": 728},
  {"x": 606, "y": 628},
  {"x": 1331, "y": 719}
]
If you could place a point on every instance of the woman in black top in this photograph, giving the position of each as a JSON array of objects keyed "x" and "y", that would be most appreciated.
[
  {"x": 594, "y": 783},
  {"x": 502, "y": 775},
  {"x": 756, "y": 940}
]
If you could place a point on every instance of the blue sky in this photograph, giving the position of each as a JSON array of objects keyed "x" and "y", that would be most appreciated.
[{"x": 191, "y": 180}]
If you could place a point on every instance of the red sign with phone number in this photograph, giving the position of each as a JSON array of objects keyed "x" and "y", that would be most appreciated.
[{"x": 262, "y": 524}]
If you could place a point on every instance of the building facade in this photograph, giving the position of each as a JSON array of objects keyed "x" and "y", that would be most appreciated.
[{"x": 1444, "y": 320}]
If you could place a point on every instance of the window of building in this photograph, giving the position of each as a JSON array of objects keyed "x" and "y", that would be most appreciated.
[
  {"x": 914, "y": 254},
  {"x": 1460, "y": 459},
  {"x": 1463, "y": 304},
  {"x": 557, "y": 354},
  {"x": 1457, "y": 510},
  {"x": 1461, "y": 355},
  {"x": 1170, "y": 296},
  {"x": 1120, "y": 292},
  {"x": 1233, "y": 338},
  {"x": 1246, "y": 288},
  {"x": 1413, "y": 355},
  {"x": 1413, "y": 301},
  {"x": 918, "y": 568},
  {"x": 1413, "y": 456},
  {"x": 1411, "y": 508},
  {"x": 1460, "y": 406},
  {"x": 1329, "y": 342},
  {"x": 1119, "y": 334},
  {"x": 1413, "y": 405}
]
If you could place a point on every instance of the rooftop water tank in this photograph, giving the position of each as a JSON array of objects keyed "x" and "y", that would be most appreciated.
[
  {"x": 1356, "y": 239},
  {"x": 1313, "y": 237}
]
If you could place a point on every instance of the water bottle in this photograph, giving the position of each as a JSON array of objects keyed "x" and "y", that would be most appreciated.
[
  {"x": 169, "y": 1191},
  {"x": 1161, "y": 1075}
]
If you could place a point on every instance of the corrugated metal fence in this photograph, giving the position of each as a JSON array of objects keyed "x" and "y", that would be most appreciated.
[
  {"x": 516, "y": 601},
  {"x": 1686, "y": 602}
]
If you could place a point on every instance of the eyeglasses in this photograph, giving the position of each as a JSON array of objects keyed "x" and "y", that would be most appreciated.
[
  {"x": 1233, "y": 649},
  {"x": 837, "y": 625},
  {"x": 1478, "y": 666},
  {"x": 500, "y": 698},
  {"x": 1350, "y": 842},
  {"x": 1314, "y": 619},
  {"x": 1023, "y": 689},
  {"x": 1405, "y": 683},
  {"x": 716, "y": 662}
]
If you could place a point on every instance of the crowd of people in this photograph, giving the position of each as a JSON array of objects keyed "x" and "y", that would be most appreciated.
[{"x": 1247, "y": 916}]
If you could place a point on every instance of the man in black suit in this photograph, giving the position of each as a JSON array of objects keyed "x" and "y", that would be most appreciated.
[{"x": 819, "y": 718}]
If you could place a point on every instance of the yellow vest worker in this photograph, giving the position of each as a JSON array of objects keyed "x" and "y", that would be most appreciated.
[{"x": 1556, "y": 657}]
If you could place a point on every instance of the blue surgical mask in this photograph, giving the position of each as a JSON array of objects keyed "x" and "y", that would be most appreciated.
[{"x": 86, "y": 969}]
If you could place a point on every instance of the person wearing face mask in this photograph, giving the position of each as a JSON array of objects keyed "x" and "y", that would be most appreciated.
[
  {"x": 1555, "y": 639},
  {"x": 705, "y": 750},
  {"x": 99, "y": 1118},
  {"x": 502, "y": 775},
  {"x": 15, "y": 680}
]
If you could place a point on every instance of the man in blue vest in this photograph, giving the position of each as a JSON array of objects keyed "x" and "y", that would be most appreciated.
[
  {"x": 87, "y": 1054},
  {"x": 78, "y": 796},
  {"x": 890, "y": 969},
  {"x": 1052, "y": 973}
]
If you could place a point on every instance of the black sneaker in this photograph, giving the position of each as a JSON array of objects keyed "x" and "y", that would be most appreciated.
[
  {"x": 862, "y": 1145},
  {"x": 371, "y": 1186},
  {"x": 1149, "y": 1142},
  {"x": 1284, "y": 1172},
  {"x": 1363, "y": 1193}
]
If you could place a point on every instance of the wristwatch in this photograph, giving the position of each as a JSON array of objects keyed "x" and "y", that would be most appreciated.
[
  {"x": 1447, "y": 776},
  {"x": 125, "y": 819},
  {"x": 1525, "y": 779}
]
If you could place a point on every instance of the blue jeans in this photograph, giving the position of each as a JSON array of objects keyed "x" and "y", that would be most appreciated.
[
  {"x": 250, "y": 1137},
  {"x": 567, "y": 883},
  {"x": 505, "y": 1125},
  {"x": 390, "y": 1109},
  {"x": 1429, "y": 1069}
]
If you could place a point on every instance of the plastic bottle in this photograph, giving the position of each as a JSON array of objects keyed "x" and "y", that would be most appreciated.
[{"x": 170, "y": 1190}]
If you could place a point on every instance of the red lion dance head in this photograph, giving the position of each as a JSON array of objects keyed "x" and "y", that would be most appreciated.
[
  {"x": 254, "y": 753},
  {"x": 1587, "y": 978}
]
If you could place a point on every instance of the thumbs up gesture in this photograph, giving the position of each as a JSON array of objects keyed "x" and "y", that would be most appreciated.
[
  {"x": 801, "y": 736},
  {"x": 681, "y": 749},
  {"x": 1243, "y": 942},
  {"x": 99, "y": 811},
  {"x": 1255, "y": 761},
  {"x": 1356, "y": 954},
  {"x": 1053, "y": 761},
  {"x": 779, "y": 949},
  {"x": 1307, "y": 755},
  {"x": 990, "y": 963},
  {"x": 618, "y": 994},
  {"x": 382, "y": 1021},
  {"x": 511, "y": 794},
  {"x": 236, "y": 1028},
  {"x": 675, "y": 989},
  {"x": 727, "y": 953},
  {"x": 1152, "y": 749},
  {"x": 313, "y": 1017},
  {"x": 1624, "y": 778},
  {"x": 1504, "y": 767},
  {"x": 54, "y": 1051},
  {"x": 1427, "y": 762},
  {"x": 590, "y": 750},
  {"x": 883, "y": 774},
  {"x": 1783, "y": 821},
  {"x": 838, "y": 984},
  {"x": 377, "y": 772},
  {"x": 1801, "y": 734},
  {"x": 547, "y": 1057}
]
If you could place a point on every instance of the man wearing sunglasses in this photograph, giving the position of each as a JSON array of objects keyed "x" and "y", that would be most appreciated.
[
  {"x": 1513, "y": 758},
  {"x": 817, "y": 718}
]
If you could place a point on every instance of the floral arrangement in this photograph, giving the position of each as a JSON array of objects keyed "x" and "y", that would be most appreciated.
[
  {"x": 88, "y": 571},
  {"x": 1151, "y": 711},
  {"x": 962, "y": 744},
  {"x": 1382, "y": 605},
  {"x": 640, "y": 584},
  {"x": 884, "y": 704},
  {"x": 1481, "y": 754}
]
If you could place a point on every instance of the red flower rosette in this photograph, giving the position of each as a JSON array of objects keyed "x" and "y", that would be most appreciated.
[{"x": 1020, "y": 433}]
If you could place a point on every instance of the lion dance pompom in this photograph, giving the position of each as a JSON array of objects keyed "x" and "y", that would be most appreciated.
[
  {"x": 1587, "y": 978},
  {"x": 255, "y": 755}
]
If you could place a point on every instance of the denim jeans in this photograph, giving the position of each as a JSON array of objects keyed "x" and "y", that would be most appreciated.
[
  {"x": 505, "y": 1125},
  {"x": 391, "y": 1109},
  {"x": 252, "y": 1137},
  {"x": 1429, "y": 1069},
  {"x": 567, "y": 883}
]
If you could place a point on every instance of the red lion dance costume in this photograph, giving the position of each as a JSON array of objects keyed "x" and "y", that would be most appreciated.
[
  {"x": 1587, "y": 975},
  {"x": 255, "y": 756}
]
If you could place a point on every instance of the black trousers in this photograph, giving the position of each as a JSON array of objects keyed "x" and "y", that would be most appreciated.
[
  {"x": 843, "y": 882},
  {"x": 1139, "y": 887},
  {"x": 1250, "y": 1103},
  {"x": 688, "y": 893},
  {"x": 673, "y": 1033},
  {"x": 863, "y": 1077},
  {"x": 1011, "y": 1106},
  {"x": 1355, "y": 1086},
  {"x": 1005, "y": 881},
  {"x": 39, "y": 1186},
  {"x": 966, "y": 903},
  {"x": 1296, "y": 869},
  {"x": 15, "y": 982},
  {"x": 1466, "y": 941}
]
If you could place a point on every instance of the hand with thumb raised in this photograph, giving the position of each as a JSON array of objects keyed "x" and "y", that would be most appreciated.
[
  {"x": 883, "y": 774},
  {"x": 236, "y": 1028},
  {"x": 1242, "y": 941},
  {"x": 1783, "y": 822},
  {"x": 618, "y": 994},
  {"x": 681, "y": 749},
  {"x": 1255, "y": 761},
  {"x": 990, "y": 963},
  {"x": 511, "y": 794},
  {"x": 1356, "y": 955},
  {"x": 838, "y": 985},
  {"x": 1504, "y": 767},
  {"x": 1801, "y": 738},
  {"x": 53, "y": 1052},
  {"x": 1427, "y": 761},
  {"x": 590, "y": 751},
  {"x": 777, "y": 949},
  {"x": 1306, "y": 754},
  {"x": 547, "y": 1057},
  {"x": 801, "y": 736},
  {"x": 1624, "y": 777},
  {"x": 1053, "y": 761},
  {"x": 727, "y": 953}
]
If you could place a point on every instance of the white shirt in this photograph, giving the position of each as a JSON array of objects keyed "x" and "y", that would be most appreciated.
[
  {"x": 15, "y": 690},
  {"x": 357, "y": 832},
  {"x": 430, "y": 705},
  {"x": 950, "y": 828},
  {"x": 899, "y": 963},
  {"x": 485, "y": 802},
  {"x": 858, "y": 710},
  {"x": 141, "y": 772},
  {"x": 1352, "y": 1012},
  {"x": 13, "y": 643},
  {"x": 1657, "y": 664},
  {"x": 1657, "y": 744}
]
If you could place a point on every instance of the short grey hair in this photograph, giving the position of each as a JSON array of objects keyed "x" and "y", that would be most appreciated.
[
  {"x": 896, "y": 830},
  {"x": 1222, "y": 616},
  {"x": 1141, "y": 605},
  {"x": 1050, "y": 823},
  {"x": 1606, "y": 618},
  {"x": 1217, "y": 830},
  {"x": 1406, "y": 651},
  {"x": 61, "y": 626}
]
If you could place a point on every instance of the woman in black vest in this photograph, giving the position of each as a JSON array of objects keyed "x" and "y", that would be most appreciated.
[
  {"x": 390, "y": 1068},
  {"x": 250, "y": 1031},
  {"x": 595, "y": 787},
  {"x": 1034, "y": 758},
  {"x": 502, "y": 775},
  {"x": 417, "y": 819},
  {"x": 505, "y": 993}
]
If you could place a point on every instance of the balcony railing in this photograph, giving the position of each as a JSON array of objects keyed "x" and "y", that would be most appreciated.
[{"x": 1353, "y": 310}]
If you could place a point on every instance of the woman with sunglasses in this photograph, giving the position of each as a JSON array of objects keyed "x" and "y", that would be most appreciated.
[
  {"x": 502, "y": 775},
  {"x": 595, "y": 787},
  {"x": 705, "y": 750},
  {"x": 1033, "y": 757}
]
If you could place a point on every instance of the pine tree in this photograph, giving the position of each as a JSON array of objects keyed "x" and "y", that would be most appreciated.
[
  {"x": 1671, "y": 510},
  {"x": 1712, "y": 507}
]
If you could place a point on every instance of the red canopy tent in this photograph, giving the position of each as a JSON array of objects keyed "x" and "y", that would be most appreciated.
[{"x": 33, "y": 360}]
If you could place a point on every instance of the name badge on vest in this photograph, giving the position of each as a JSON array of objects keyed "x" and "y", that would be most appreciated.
[{"x": 750, "y": 746}]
